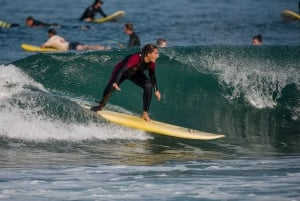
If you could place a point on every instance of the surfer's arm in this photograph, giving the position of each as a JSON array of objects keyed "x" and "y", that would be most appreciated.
[
  {"x": 153, "y": 81},
  {"x": 101, "y": 12},
  {"x": 119, "y": 74},
  {"x": 48, "y": 43}
]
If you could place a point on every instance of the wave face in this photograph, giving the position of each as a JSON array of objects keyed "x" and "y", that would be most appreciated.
[{"x": 243, "y": 92}]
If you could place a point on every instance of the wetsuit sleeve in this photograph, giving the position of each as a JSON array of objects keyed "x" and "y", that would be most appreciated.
[
  {"x": 153, "y": 78},
  {"x": 101, "y": 12},
  {"x": 40, "y": 23},
  {"x": 120, "y": 73}
]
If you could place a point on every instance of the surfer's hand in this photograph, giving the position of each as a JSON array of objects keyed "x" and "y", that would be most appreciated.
[
  {"x": 157, "y": 94},
  {"x": 116, "y": 86}
]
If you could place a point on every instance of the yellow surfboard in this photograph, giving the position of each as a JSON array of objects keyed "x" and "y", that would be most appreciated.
[
  {"x": 111, "y": 17},
  {"x": 33, "y": 48},
  {"x": 4, "y": 24},
  {"x": 155, "y": 126},
  {"x": 290, "y": 15}
]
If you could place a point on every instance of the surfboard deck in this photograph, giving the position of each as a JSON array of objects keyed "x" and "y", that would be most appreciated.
[
  {"x": 153, "y": 126},
  {"x": 112, "y": 17},
  {"x": 290, "y": 15},
  {"x": 33, "y": 48}
]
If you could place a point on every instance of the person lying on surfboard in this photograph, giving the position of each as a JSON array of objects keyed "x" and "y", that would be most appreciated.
[
  {"x": 92, "y": 10},
  {"x": 132, "y": 67},
  {"x": 61, "y": 44},
  {"x": 31, "y": 22}
]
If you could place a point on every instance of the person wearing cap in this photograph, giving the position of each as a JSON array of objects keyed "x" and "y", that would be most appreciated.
[
  {"x": 92, "y": 10},
  {"x": 60, "y": 44}
]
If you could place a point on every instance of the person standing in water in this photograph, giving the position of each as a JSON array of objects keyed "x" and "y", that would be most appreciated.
[
  {"x": 134, "y": 40},
  {"x": 132, "y": 67}
]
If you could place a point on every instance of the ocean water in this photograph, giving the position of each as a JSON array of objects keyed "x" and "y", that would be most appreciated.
[{"x": 211, "y": 79}]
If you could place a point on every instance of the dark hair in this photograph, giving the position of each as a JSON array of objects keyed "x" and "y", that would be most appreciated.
[
  {"x": 29, "y": 18},
  {"x": 52, "y": 31},
  {"x": 129, "y": 26},
  {"x": 149, "y": 48},
  {"x": 258, "y": 37},
  {"x": 98, "y": 1},
  {"x": 160, "y": 41}
]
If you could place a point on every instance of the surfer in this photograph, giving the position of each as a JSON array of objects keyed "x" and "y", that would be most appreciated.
[
  {"x": 61, "y": 44},
  {"x": 92, "y": 10},
  {"x": 31, "y": 22},
  {"x": 161, "y": 42},
  {"x": 257, "y": 40},
  {"x": 132, "y": 67},
  {"x": 134, "y": 40}
]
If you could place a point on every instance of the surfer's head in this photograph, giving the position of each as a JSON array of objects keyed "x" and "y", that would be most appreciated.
[
  {"x": 99, "y": 2},
  {"x": 150, "y": 53},
  {"x": 257, "y": 40},
  {"x": 51, "y": 32}
]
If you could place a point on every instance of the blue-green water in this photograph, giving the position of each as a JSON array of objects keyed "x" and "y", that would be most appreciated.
[{"x": 210, "y": 77}]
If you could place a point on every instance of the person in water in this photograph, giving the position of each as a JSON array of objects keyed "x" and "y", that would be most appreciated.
[
  {"x": 61, "y": 44},
  {"x": 92, "y": 10},
  {"x": 257, "y": 40},
  {"x": 132, "y": 67},
  {"x": 134, "y": 40},
  {"x": 31, "y": 22},
  {"x": 161, "y": 42}
]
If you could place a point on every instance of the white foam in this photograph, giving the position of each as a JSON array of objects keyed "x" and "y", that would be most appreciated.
[
  {"x": 28, "y": 124},
  {"x": 259, "y": 82},
  {"x": 12, "y": 80}
]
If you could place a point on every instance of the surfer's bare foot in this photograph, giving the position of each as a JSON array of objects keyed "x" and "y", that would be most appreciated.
[{"x": 146, "y": 117}]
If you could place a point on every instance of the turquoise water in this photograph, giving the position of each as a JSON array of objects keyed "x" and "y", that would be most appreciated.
[{"x": 210, "y": 77}]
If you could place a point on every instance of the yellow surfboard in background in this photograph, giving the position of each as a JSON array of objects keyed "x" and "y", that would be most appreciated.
[
  {"x": 111, "y": 17},
  {"x": 290, "y": 15},
  {"x": 33, "y": 48}
]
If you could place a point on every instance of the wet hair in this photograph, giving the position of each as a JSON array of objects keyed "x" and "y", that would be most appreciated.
[
  {"x": 98, "y": 1},
  {"x": 258, "y": 37},
  {"x": 149, "y": 48},
  {"x": 29, "y": 18},
  {"x": 129, "y": 26},
  {"x": 160, "y": 41},
  {"x": 52, "y": 31}
]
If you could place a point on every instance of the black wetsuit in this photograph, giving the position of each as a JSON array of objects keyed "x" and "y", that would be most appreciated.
[
  {"x": 134, "y": 40},
  {"x": 132, "y": 68},
  {"x": 91, "y": 11},
  {"x": 37, "y": 23}
]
